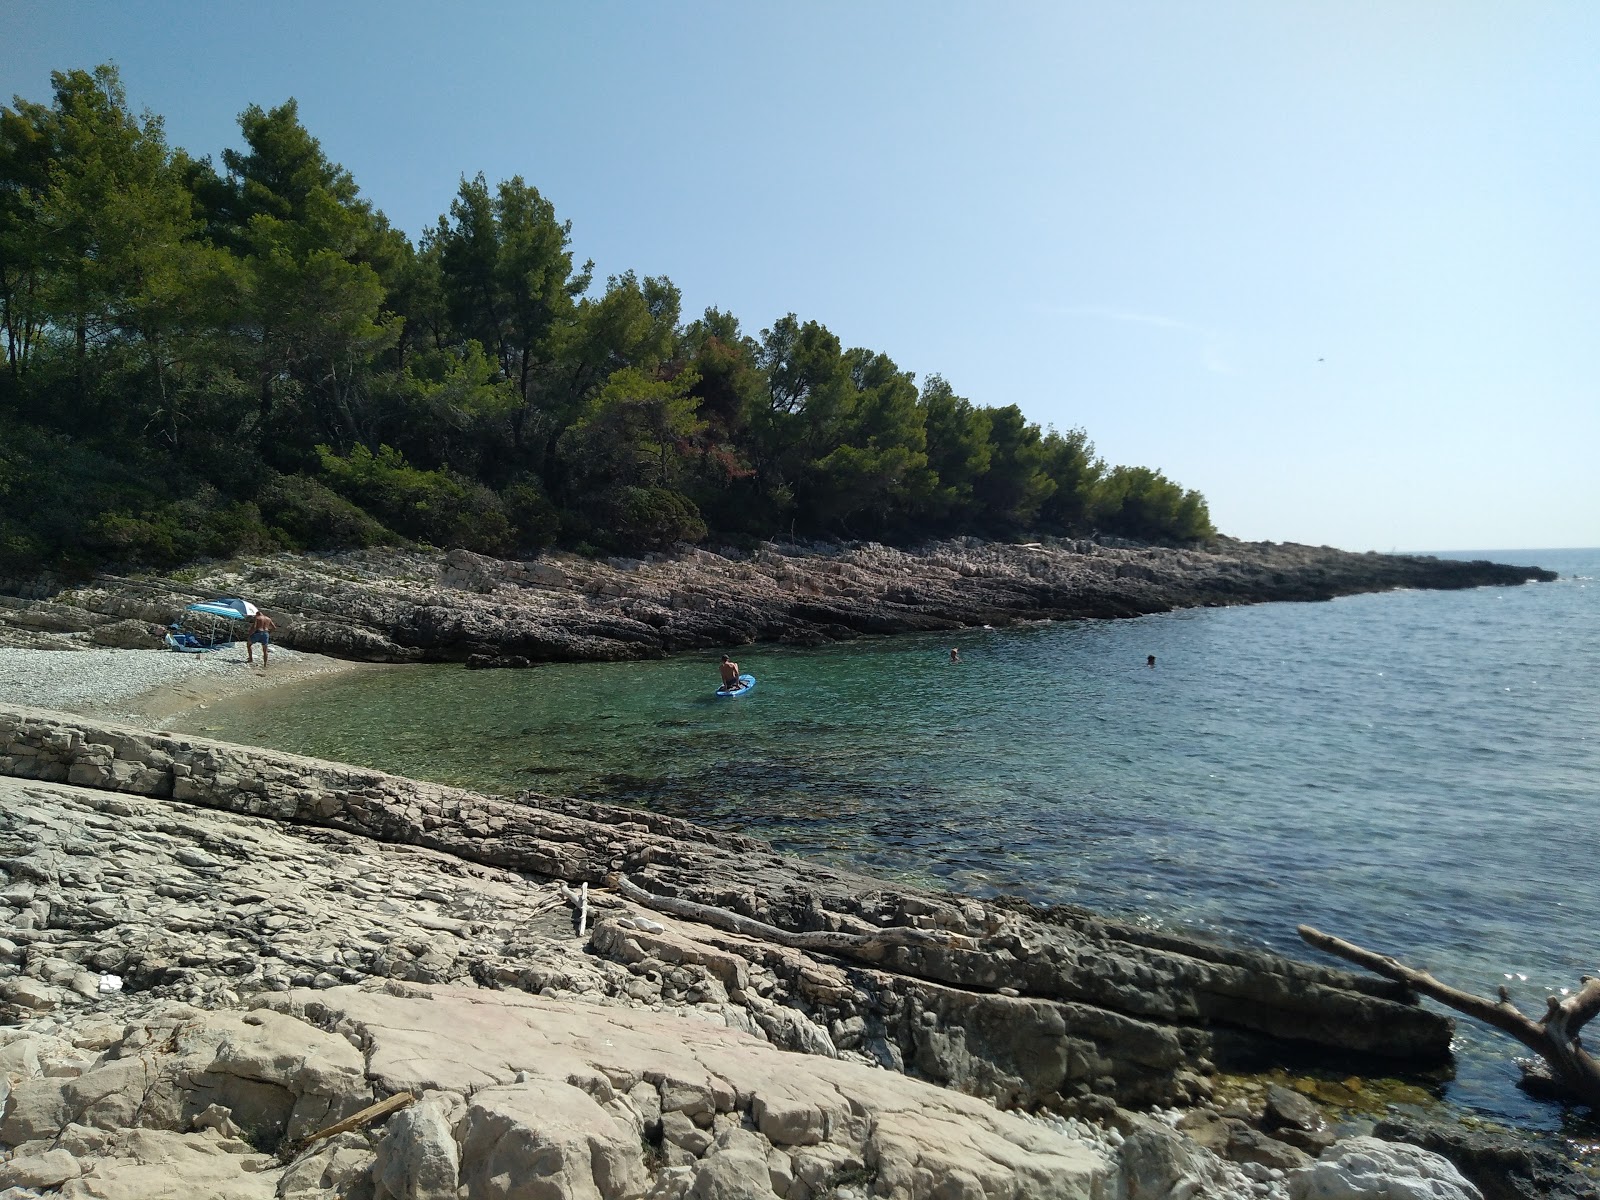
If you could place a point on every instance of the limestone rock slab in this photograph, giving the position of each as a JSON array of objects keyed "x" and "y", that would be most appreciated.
[
  {"x": 150, "y": 1164},
  {"x": 1368, "y": 1169},
  {"x": 523, "y": 1055}
]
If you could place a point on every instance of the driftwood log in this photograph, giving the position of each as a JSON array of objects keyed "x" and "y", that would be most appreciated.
[
  {"x": 848, "y": 945},
  {"x": 1573, "y": 1072},
  {"x": 289, "y": 1151}
]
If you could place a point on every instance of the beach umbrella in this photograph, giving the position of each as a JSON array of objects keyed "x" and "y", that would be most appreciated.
[{"x": 244, "y": 607}]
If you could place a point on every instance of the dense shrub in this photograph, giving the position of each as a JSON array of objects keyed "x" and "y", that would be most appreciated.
[
  {"x": 429, "y": 506},
  {"x": 150, "y": 539},
  {"x": 22, "y": 552},
  {"x": 649, "y": 518},
  {"x": 311, "y": 516},
  {"x": 535, "y": 521},
  {"x": 74, "y": 505},
  {"x": 204, "y": 525}
]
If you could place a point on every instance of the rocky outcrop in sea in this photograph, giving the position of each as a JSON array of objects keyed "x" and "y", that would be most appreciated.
[
  {"x": 455, "y": 606},
  {"x": 210, "y": 955}
]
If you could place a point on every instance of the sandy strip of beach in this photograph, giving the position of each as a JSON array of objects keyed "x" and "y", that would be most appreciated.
[{"x": 150, "y": 687}]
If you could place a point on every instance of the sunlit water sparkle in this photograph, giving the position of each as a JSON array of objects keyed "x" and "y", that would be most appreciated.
[{"x": 1413, "y": 771}]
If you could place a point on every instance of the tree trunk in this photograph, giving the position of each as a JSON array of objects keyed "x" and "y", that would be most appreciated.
[
  {"x": 1555, "y": 1039},
  {"x": 82, "y": 342}
]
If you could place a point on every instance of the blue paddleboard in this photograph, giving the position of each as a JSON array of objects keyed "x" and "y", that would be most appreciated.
[{"x": 747, "y": 684}]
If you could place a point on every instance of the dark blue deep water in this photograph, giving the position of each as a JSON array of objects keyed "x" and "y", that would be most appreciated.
[{"x": 1414, "y": 771}]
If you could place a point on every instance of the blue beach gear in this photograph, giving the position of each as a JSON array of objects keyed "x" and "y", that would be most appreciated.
[
  {"x": 747, "y": 685},
  {"x": 208, "y": 625}
]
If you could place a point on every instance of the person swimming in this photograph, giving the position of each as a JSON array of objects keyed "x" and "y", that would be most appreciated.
[{"x": 955, "y": 654}]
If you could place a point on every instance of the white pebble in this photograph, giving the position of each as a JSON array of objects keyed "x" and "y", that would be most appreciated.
[{"x": 70, "y": 678}]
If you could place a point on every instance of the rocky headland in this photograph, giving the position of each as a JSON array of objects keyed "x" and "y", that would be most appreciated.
[
  {"x": 413, "y": 606},
  {"x": 231, "y": 972}
]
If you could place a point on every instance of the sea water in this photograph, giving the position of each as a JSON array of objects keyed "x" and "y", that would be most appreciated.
[{"x": 1413, "y": 771}]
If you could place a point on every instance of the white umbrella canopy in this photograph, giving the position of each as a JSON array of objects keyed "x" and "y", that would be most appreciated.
[{"x": 244, "y": 607}]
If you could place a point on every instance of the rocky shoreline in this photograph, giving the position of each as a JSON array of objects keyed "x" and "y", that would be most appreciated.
[
  {"x": 210, "y": 953},
  {"x": 415, "y": 606}
]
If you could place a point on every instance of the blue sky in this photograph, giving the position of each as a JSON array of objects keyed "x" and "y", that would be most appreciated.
[{"x": 1336, "y": 265}]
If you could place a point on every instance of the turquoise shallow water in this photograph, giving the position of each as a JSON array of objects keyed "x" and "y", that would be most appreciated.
[{"x": 1414, "y": 771}]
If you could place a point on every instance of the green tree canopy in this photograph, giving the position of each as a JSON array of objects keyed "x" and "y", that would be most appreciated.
[
  {"x": 1138, "y": 502},
  {"x": 506, "y": 273},
  {"x": 1011, "y": 492},
  {"x": 200, "y": 357}
]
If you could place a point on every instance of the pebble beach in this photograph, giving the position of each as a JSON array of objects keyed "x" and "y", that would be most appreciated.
[{"x": 146, "y": 687}]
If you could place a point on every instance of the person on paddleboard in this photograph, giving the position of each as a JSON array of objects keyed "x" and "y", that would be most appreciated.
[{"x": 730, "y": 674}]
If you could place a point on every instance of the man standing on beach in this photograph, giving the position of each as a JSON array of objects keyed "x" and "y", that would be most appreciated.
[{"x": 258, "y": 632}]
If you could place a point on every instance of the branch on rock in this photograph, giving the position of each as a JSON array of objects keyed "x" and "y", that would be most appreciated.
[
  {"x": 1554, "y": 1039},
  {"x": 851, "y": 945},
  {"x": 367, "y": 1116},
  {"x": 583, "y": 903}
]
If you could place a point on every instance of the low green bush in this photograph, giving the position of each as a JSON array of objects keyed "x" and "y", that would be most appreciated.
[
  {"x": 535, "y": 521},
  {"x": 437, "y": 507},
  {"x": 204, "y": 525},
  {"x": 652, "y": 518},
  {"x": 311, "y": 516}
]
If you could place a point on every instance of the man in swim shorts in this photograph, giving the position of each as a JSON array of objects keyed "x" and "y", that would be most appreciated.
[
  {"x": 730, "y": 674},
  {"x": 258, "y": 633}
]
